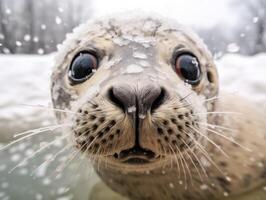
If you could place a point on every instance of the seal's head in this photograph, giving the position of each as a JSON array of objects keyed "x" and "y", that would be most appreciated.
[{"x": 138, "y": 88}]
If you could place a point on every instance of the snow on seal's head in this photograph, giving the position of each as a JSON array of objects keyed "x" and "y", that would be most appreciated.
[{"x": 135, "y": 85}]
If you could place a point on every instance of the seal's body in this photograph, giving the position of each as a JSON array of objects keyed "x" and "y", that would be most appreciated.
[{"x": 144, "y": 93}]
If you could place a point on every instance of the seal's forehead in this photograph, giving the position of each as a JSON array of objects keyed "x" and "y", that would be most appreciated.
[
  {"x": 137, "y": 29},
  {"x": 110, "y": 33}
]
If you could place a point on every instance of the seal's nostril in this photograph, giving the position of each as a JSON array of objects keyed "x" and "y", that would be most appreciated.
[
  {"x": 115, "y": 100},
  {"x": 159, "y": 100}
]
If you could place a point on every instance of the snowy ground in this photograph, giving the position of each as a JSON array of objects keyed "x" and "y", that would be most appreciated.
[
  {"x": 244, "y": 76},
  {"x": 25, "y": 80}
]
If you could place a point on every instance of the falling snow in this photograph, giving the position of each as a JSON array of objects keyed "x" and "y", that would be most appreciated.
[
  {"x": 27, "y": 37},
  {"x": 18, "y": 43},
  {"x": 233, "y": 48},
  {"x": 43, "y": 26},
  {"x": 58, "y": 20},
  {"x": 255, "y": 19}
]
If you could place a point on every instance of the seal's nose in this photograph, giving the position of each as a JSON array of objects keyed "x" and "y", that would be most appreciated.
[{"x": 141, "y": 99}]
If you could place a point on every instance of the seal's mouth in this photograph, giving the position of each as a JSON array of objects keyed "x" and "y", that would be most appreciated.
[{"x": 135, "y": 155}]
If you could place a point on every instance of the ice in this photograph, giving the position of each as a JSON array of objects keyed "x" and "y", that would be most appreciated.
[
  {"x": 142, "y": 116},
  {"x": 112, "y": 63},
  {"x": 131, "y": 109},
  {"x": 139, "y": 55},
  {"x": 134, "y": 69},
  {"x": 144, "y": 63},
  {"x": 120, "y": 41}
]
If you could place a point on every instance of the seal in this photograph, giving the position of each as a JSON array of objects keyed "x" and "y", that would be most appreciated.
[{"x": 143, "y": 92}]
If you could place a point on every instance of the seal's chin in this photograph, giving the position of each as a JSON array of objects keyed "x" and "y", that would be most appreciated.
[{"x": 136, "y": 161}]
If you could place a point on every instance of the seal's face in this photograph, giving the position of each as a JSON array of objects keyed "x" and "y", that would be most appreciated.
[{"x": 138, "y": 88}]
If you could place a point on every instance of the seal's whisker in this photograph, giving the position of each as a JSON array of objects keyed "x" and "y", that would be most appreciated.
[
  {"x": 171, "y": 156},
  {"x": 211, "y": 99},
  {"x": 217, "y": 112},
  {"x": 49, "y": 108},
  {"x": 211, "y": 141},
  {"x": 71, "y": 157},
  {"x": 205, "y": 100},
  {"x": 196, "y": 157},
  {"x": 59, "y": 169},
  {"x": 97, "y": 153},
  {"x": 37, "y": 152},
  {"x": 217, "y": 126},
  {"x": 25, "y": 137},
  {"x": 192, "y": 161},
  {"x": 78, "y": 165},
  {"x": 164, "y": 151},
  {"x": 178, "y": 166},
  {"x": 190, "y": 104},
  {"x": 195, "y": 166},
  {"x": 228, "y": 139},
  {"x": 50, "y": 160},
  {"x": 183, "y": 167},
  {"x": 206, "y": 154},
  {"x": 183, "y": 98},
  {"x": 41, "y": 130},
  {"x": 186, "y": 165},
  {"x": 83, "y": 157}
]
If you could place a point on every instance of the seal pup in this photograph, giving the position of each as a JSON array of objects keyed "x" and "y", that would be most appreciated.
[{"x": 148, "y": 113}]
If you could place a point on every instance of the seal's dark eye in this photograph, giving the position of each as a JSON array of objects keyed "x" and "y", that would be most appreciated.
[
  {"x": 82, "y": 67},
  {"x": 187, "y": 66}
]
